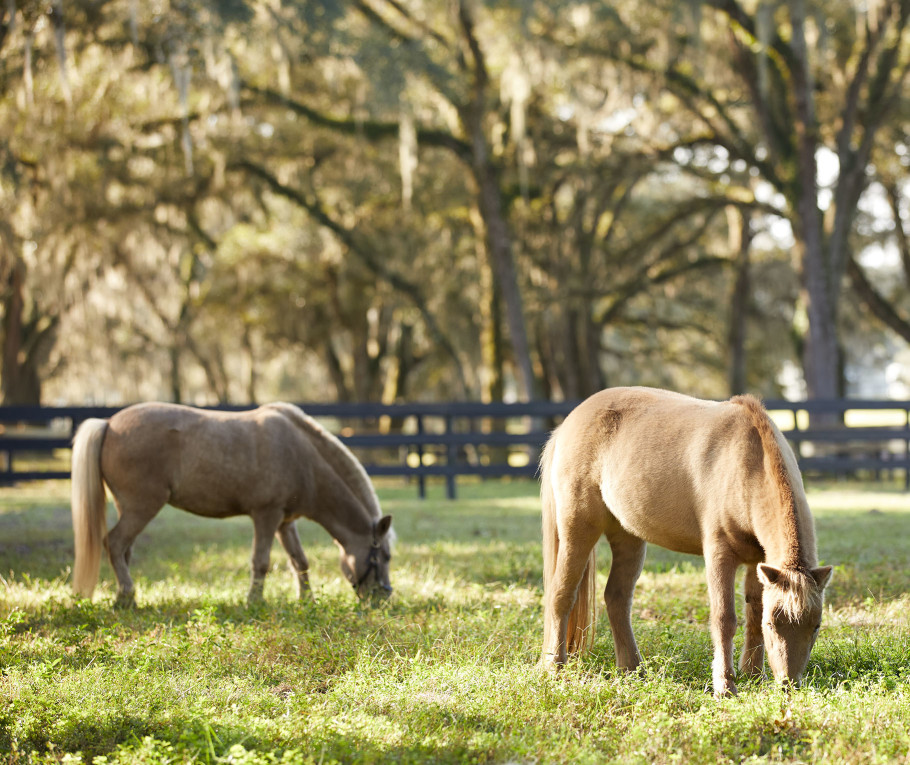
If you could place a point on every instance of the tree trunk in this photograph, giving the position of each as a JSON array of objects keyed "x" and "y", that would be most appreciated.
[
  {"x": 473, "y": 115},
  {"x": 336, "y": 372},
  {"x": 12, "y": 335},
  {"x": 26, "y": 344},
  {"x": 821, "y": 363},
  {"x": 740, "y": 242},
  {"x": 253, "y": 379},
  {"x": 176, "y": 392},
  {"x": 491, "y": 339},
  {"x": 571, "y": 355},
  {"x": 499, "y": 248},
  {"x": 821, "y": 359},
  {"x": 594, "y": 377}
]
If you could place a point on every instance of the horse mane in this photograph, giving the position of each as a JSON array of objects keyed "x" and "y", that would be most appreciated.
[
  {"x": 796, "y": 588},
  {"x": 337, "y": 455},
  {"x": 797, "y": 592},
  {"x": 779, "y": 474}
]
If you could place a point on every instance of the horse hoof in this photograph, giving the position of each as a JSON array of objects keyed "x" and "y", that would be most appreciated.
[
  {"x": 725, "y": 691},
  {"x": 550, "y": 663},
  {"x": 125, "y": 600}
]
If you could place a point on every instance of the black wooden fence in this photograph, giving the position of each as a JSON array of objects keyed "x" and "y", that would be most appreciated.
[{"x": 423, "y": 440}]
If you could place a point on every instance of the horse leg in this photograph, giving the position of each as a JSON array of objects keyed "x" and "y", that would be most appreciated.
[
  {"x": 290, "y": 540},
  {"x": 628, "y": 560},
  {"x": 135, "y": 515},
  {"x": 571, "y": 561},
  {"x": 265, "y": 524},
  {"x": 720, "y": 569},
  {"x": 752, "y": 660}
]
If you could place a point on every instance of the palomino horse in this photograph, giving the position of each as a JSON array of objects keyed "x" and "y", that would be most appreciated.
[
  {"x": 714, "y": 479},
  {"x": 275, "y": 464}
]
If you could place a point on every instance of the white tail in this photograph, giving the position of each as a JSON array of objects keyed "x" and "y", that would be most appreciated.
[
  {"x": 88, "y": 505},
  {"x": 580, "y": 630}
]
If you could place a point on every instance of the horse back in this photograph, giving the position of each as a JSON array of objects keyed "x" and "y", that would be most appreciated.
[{"x": 207, "y": 462}]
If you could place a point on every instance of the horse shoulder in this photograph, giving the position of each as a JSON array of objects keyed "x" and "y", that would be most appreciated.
[{"x": 293, "y": 461}]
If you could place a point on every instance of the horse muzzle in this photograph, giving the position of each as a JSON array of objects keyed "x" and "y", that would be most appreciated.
[{"x": 375, "y": 593}]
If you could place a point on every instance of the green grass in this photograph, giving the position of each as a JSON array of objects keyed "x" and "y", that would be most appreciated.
[{"x": 445, "y": 672}]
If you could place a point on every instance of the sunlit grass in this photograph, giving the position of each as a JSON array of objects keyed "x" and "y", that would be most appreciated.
[{"x": 446, "y": 671}]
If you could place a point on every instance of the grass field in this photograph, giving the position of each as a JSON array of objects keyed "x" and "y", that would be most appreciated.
[{"x": 445, "y": 672}]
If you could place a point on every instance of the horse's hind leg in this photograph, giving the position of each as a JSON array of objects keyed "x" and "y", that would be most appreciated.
[
  {"x": 628, "y": 559},
  {"x": 752, "y": 660},
  {"x": 265, "y": 524},
  {"x": 135, "y": 514},
  {"x": 570, "y": 566},
  {"x": 290, "y": 540}
]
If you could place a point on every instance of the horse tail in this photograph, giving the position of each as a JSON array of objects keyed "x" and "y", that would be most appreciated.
[
  {"x": 88, "y": 505},
  {"x": 550, "y": 540},
  {"x": 341, "y": 459},
  {"x": 580, "y": 630}
]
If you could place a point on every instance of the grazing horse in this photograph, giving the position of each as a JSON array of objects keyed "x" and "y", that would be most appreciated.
[
  {"x": 707, "y": 478},
  {"x": 275, "y": 464}
]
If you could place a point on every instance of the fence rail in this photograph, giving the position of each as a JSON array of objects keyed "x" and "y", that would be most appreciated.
[{"x": 422, "y": 440}]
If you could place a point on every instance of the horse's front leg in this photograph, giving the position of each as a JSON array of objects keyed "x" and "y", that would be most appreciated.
[
  {"x": 290, "y": 540},
  {"x": 752, "y": 661},
  {"x": 720, "y": 568},
  {"x": 265, "y": 524}
]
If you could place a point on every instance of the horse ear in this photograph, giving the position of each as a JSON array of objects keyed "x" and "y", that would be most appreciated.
[
  {"x": 822, "y": 575},
  {"x": 768, "y": 575},
  {"x": 383, "y": 525}
]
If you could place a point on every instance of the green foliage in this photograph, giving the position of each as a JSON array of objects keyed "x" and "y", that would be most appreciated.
[
  {"x": 251, "y": 199},
  {"x": 446, "y": 671}
]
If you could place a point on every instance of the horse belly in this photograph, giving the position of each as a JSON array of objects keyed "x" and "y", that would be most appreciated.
[
  {"x": 222, "y": 506},
  {"x": 223, "y": 489},
  {"x": 658, "y": 518}
]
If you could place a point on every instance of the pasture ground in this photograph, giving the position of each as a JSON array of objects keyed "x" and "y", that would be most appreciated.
[{"x": 445, "y": 672}]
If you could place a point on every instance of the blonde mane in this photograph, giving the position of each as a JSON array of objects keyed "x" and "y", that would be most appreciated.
[
  {"x": 798, "y": 593},
  {"x": 337, "y": 455},
  {"x": 797, "y": 589},
  {"x": 777, "y": 467}
]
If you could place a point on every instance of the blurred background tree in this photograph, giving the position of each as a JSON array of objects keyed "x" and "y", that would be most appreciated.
[{"x": 246, "y": 200}]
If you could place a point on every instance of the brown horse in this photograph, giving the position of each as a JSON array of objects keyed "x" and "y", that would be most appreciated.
[
  {"x": 275, "y": 464},
  {"x": 714, "y": 479}
]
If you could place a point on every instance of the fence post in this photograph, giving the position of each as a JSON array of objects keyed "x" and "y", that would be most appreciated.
[
  {"x": 421, "y": 478},
  {"x": 907, "y": 456},
  {"x": 451, "y": 459}
]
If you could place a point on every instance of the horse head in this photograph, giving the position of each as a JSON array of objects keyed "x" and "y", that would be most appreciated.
[
  {"x": 792, "y": 601},
  {"x": 365, "y": 561}
]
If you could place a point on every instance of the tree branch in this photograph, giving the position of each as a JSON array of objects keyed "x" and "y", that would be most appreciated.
[
  {"x": 903, "y": 243},
  {"x": 362, "y": 252},
  {"x": 881, "y": 308},
  {"x": 371, "y": 129}
]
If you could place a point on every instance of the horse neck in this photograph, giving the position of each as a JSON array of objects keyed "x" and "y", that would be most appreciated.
[
  {"x": 341, "y": 513},
  {"x": 336, "y": 455},
  {"x": 784, "y": 526},
  {"x": 780, "y": 518}
]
